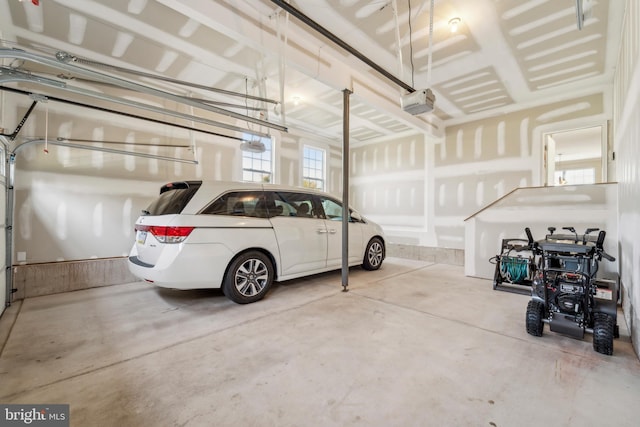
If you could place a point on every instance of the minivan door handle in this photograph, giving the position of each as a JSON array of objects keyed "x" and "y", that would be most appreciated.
[
  {"x": 332, "y": 231},
  {"x": 322, "y": 231}
]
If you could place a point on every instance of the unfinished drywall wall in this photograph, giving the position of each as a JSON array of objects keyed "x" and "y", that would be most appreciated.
[
  {"x": 627, "y": 146},
  {"x": 389, "y": 184},
  {"x": 481, "y": 161},
  {"x": 73, "y": 204},
  {"x": 421, "y": 189}
]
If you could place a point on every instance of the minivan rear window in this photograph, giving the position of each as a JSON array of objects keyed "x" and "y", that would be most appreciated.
[{"x": 173, "y": 198}]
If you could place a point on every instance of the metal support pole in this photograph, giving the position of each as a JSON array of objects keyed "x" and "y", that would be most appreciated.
[{"x": 345, "y": 190}]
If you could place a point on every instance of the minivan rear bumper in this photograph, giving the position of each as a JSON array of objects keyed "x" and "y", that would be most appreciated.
[
  {"x": 193, "y": 266},
  {"x": 136, "y": 261}
]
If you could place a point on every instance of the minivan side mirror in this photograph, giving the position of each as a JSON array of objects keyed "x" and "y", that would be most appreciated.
[{"x": 355, "y": 217}]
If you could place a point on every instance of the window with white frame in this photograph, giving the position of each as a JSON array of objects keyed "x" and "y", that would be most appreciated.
[
  {"x": 313, "y": 168},
  {"x": 258, "y": 167}
]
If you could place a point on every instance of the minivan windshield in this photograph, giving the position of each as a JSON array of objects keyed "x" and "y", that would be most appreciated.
[{"x": 173, "y": 198}]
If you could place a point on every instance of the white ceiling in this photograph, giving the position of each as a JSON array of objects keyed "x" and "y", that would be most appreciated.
[{"x": 507, "y": 54}]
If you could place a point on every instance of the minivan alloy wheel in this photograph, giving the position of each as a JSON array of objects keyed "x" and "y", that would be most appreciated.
[
  {"x": 249, "y": 277},
  {"x": 373, "y": 255}
]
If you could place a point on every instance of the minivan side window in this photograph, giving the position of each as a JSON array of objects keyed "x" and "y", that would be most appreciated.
[
  {"x": 333, "y": 210},
  {"x": 295, "y": 204},
  {"x": 239, "y": 203}
]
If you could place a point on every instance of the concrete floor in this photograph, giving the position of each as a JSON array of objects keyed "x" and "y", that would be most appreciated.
[{"x": 413, "y": 344}]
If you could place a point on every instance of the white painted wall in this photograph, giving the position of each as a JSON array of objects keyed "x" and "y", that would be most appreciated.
[
  {"x": 390, "y": 184},
  {"x": 626, "y": 125}
]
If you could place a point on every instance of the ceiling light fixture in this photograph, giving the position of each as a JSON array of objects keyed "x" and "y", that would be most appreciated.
[{"x": 453, "y": 24}]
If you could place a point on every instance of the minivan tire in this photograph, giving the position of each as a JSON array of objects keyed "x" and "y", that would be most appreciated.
[
  {"x": 249, "y": 277},
  {"x": 373, "y": 255}
]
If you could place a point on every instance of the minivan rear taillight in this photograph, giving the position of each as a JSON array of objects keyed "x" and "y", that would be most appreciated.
[{"x": 165, "y": 234}]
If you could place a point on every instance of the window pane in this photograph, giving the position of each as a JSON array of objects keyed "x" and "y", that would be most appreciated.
[
  {"x": 257, "y": 167},
  {"x": 313, "y": 165}
]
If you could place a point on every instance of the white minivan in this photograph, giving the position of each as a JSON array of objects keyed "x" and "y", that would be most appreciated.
[{"x": 243, "y": 236}]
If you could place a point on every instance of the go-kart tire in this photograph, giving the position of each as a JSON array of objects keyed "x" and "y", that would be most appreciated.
[
  {"x": 603, "y": 333},
  {"x": 535, "y": 313}
]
